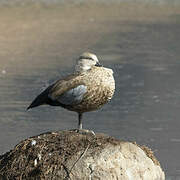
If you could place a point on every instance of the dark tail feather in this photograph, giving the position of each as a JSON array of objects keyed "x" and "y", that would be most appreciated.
[
  {"x": 40, "y": 99},
  {"x": 35, "y": 103}
]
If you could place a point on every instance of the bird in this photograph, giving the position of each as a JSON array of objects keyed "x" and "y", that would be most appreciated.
[{"x": 87, "y": 89}]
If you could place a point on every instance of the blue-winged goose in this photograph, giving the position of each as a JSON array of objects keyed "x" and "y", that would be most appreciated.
[{"x": 87, "y": 89}]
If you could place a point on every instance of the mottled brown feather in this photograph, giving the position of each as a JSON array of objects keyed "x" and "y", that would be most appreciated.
[
  {"x": 63, "y": 85},
  {"x": 100, "y": 88}
]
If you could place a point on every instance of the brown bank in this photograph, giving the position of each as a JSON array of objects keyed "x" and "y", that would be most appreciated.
[{"x": 72, "y": 155}]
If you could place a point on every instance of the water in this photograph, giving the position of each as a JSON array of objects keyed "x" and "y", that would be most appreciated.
[
  {"x": 47, "y": 2},
  {"x": 144, "y": 55}
]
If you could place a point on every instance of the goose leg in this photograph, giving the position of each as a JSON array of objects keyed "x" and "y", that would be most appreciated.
[
  {"x": 80, "y": 130},
  {"x": 80, "y": 121}
]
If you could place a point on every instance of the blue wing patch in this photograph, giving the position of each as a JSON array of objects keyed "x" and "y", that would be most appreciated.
[{"x": 73, "y": 96}]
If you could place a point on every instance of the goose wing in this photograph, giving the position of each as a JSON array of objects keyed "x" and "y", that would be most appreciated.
[{"x": 67, "y": 91}]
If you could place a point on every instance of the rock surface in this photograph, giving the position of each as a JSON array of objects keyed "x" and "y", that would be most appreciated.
[{"x": 79, "y": 156}]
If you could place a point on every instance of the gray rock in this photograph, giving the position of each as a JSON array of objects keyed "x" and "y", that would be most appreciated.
[{"x": 79, "y": 156}]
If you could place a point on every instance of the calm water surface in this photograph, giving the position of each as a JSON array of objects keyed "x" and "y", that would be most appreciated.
[{"x": 145, "y": 107}]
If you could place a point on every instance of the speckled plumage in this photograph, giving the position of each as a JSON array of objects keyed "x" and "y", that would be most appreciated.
[
  {"x": 85, "y": 90},
  {"x": 100, "y": 88}
]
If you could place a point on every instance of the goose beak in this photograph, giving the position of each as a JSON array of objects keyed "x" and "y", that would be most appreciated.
[{"x": 98, "y": 64}]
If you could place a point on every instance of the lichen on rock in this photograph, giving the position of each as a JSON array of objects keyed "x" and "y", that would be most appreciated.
[{"x": 73, "y": 155}]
